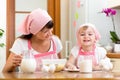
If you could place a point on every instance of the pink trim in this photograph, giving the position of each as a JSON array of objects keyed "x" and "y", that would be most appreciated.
[
  {"x": 81, "y": 52},
  {"x": 54, "y": 47},
  {"x": 88, "y": 53},
  {"x": 29, "y": 45},
  {"x": 43, "y": 54}
]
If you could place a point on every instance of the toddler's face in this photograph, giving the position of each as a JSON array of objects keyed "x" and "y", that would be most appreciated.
[{"x": 86, "y": 36}]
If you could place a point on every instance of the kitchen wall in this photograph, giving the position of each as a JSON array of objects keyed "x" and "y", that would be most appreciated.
[
  {"x": 83, "y": 11},
  {"x": 64, "y": 24}
]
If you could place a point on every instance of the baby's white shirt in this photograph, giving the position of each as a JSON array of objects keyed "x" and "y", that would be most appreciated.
[{"x": 100, "y": 52}]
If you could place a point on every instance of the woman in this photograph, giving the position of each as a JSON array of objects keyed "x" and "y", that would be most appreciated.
[{"x": 37, "y": 36}]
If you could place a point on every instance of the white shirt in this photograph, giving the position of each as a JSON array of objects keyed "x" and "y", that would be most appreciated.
[
  {"x": 21, "y": 45},
  {"x": 100, "y": 53}
]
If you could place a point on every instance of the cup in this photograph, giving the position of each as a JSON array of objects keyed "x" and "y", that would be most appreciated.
[
  {"x": 28, "y": 63},
  {"x": 85, "y": 64}
]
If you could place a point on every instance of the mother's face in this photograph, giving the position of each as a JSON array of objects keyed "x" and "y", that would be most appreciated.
[{"x": 45, "y": 33}]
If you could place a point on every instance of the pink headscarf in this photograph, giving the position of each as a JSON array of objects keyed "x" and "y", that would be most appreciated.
[
  {"x": 97, "y": 34},
  {"x": 34, "y": 22}
]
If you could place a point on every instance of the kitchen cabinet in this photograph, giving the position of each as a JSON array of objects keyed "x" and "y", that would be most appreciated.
[
  {"x": 113, "y": 55},
  {"x": 114, "y": 4}
]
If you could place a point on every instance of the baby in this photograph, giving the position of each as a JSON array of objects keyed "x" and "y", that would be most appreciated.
[{"x": 87, "y": 36}]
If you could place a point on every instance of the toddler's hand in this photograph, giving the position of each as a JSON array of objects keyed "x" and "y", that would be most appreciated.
[
  {"x": 71, "y": 66},
  {"x": 97, "y": 67},
  {"x": 106, "y": 64}
]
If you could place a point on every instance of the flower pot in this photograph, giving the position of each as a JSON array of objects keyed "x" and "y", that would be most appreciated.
[{"x": 117, "y": 48}]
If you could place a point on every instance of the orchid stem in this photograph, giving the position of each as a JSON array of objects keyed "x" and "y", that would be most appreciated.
[{"x": 113, "y": 23}]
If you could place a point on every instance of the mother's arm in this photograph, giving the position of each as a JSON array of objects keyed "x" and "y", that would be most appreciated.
[{"x": 12, "y": 62}]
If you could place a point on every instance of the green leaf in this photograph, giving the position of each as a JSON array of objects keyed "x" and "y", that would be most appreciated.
[
  {"x": 1, "y": 32},
  {"x": 114, "y": 36},
  {"x": 2, "y": 44},
  {"x": 113, "y": 40}
]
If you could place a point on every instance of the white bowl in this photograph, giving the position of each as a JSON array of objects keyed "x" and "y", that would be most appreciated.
[{"x": 59, "y": 63}]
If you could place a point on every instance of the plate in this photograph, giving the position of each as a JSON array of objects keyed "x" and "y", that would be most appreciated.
[{"x": 71, "y": 70}]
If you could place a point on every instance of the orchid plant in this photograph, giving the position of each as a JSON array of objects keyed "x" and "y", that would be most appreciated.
[{"x": 110, "y": 13}]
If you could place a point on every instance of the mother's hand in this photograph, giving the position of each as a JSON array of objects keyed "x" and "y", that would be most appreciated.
[{"x": 14, "y": 60}]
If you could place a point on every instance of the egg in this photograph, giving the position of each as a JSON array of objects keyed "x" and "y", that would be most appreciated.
[
  {"x": 52, "y": 68},
  {"x": 59, "y": 67},
  {"x": 45, "y": 68}
]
